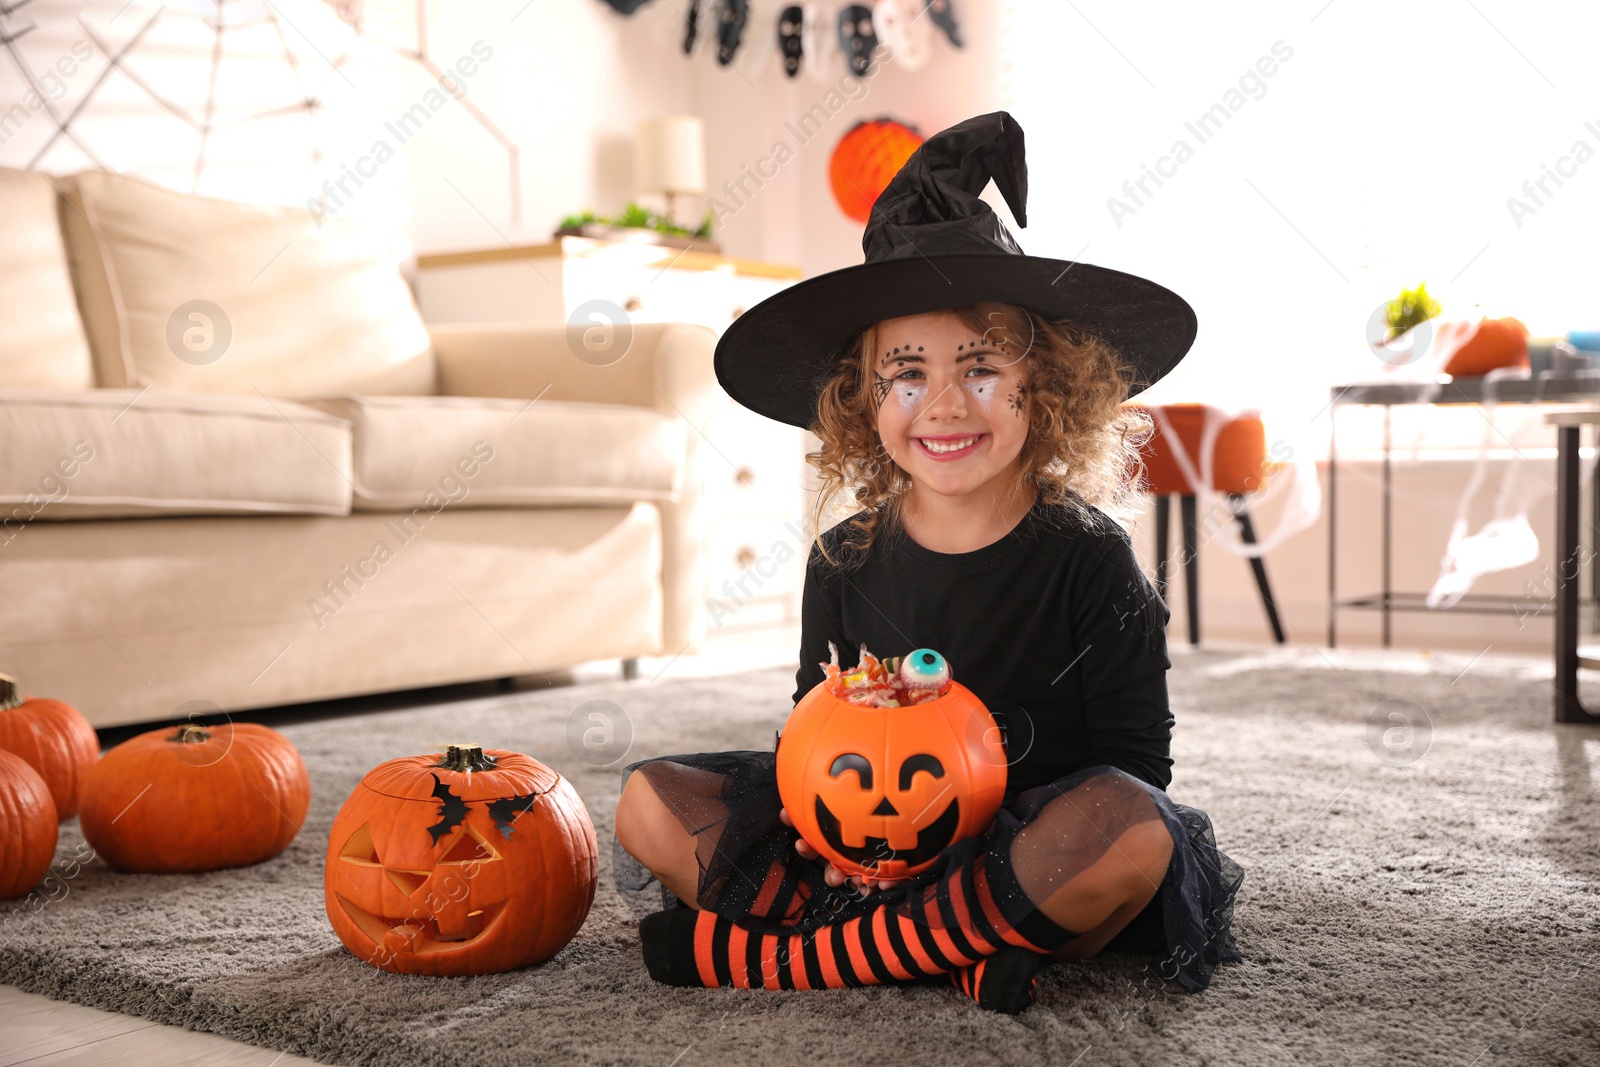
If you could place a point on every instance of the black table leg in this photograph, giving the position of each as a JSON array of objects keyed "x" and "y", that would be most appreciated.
[
  {"x": 1258, "y": 565},
  {"x": 1191, "y": 565},
  {"x": 1568, "y": 707},
  {"x": 1594, "y": 526},
  {"x": 1163, "y": 539}
]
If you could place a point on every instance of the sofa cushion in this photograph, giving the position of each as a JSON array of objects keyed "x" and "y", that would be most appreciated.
[
  {"x": 203, "y": 295},
  {"x": 42, "y": 344},
  {"x": 479, "y": 452},
  {"x": 67, "y": 454}
]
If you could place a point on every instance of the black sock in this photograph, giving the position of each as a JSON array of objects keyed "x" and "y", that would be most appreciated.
[{"x": 1003, "y": 982}]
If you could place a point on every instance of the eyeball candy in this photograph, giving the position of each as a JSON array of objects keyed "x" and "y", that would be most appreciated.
[
  {"x": 924, "y": 670},
  {"x": 897, "y": 682}
]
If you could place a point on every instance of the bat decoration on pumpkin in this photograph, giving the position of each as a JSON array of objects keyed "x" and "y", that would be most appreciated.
[
  {"x": 505, "y": 810},
  {"x": 452, "y": 809}
]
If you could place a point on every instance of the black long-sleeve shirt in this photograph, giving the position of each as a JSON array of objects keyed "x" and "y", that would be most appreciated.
[{"x": 1054, "y": 627}]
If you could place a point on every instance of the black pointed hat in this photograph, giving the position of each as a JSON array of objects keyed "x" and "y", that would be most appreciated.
[{"x": 931, "y": 244}]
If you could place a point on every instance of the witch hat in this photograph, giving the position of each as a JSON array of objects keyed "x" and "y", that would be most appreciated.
[{"x": 932, "y": 244}]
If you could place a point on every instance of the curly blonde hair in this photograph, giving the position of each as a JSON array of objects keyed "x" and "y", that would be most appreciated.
[{"x": 1082, "y": 449}]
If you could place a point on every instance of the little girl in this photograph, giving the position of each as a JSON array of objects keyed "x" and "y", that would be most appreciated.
[{"x": 978, "y": 423}]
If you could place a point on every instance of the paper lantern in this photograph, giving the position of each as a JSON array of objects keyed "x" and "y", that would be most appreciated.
[{"x": 864, "y": 161}]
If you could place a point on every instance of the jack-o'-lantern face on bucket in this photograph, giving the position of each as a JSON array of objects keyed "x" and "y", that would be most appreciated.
[
  {"x": 882, "y": 791},
  {"x": 470, "y": 863}
]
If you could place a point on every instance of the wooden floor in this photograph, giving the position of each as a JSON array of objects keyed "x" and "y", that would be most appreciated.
[{"x": 41, "y": 1032}]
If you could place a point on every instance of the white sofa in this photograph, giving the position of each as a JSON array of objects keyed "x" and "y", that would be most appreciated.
[{"x": 236, "y": 468}]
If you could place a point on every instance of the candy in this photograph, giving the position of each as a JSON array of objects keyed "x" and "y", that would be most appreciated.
[{"x": 900, "y": 681}]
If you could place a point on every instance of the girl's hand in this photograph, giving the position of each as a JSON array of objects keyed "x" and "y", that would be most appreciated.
[{"x": 831, "y": 874}]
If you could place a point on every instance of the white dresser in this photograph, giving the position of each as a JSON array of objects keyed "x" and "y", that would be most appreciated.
[{"x": 757, "y": 500}]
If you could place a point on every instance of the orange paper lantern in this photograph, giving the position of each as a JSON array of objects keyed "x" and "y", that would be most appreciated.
[
  {"x": 864, "y": 161},
  {"x": 469, "y": 862},
  {"x": 881, "y": 792}
]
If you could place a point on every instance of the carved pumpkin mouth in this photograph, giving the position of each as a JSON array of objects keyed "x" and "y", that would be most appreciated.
[
  {"x": 422, "y": 934},
  {"x": 931, "y": 839}
]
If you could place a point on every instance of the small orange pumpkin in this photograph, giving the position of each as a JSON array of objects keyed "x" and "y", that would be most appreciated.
[
  {"x": 53, "y": 738},
  {"x": 469, "y": 862},
  {"x": 27, "y": 827},
  {"x": 882, "y": 791},
  {"x": 195, "y": 798},
  {"x": 864, "y": 161},
  {"x": 1496, "y": 343}
]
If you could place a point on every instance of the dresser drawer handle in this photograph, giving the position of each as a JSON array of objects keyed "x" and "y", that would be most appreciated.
[
  {"x": 744, "y": 476},
  {"x": 745, "y": 557},
  {"x": 633, "y": 303}
]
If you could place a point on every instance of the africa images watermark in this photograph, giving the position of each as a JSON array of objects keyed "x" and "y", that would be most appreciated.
[
  {"x": 47, "y": 88},
  {"x": 805, "y": 128},
  {"x": 53, "y": 487},
  {"x": 336, "y": 192},
  {"x": 352, "y": 578},
  {"x": 1203, "y": 128},
  {"x": 1566, "y": 167}
]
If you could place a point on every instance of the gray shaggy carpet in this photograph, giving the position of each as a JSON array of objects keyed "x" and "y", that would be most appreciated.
[{"x": 1422, "y": 848}]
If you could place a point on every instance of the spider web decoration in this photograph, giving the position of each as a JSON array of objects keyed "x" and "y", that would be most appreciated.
[{"x": 196, "y": 47}]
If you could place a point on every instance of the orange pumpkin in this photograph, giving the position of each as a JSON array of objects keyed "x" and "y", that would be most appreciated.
[
  {"x": 882, "y": 791},
  {"x": 470, "y": 862},
  {"x": 864, "y": 161},
  {"x": 27, "y": 827},
  {"x": 1496, "y": 343},
  {"x": 195, "y": 798},
  {"x": 53, "y": 738}
]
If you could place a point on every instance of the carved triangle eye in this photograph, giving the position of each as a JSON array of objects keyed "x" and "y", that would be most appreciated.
[
  {"x": 408, "y": 882},
  {"x": 359, "y": 848},
  {"x": 467, "y": 849}
]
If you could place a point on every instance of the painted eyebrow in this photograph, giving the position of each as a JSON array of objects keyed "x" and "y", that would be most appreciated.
[{"x": 906, "y": 357}]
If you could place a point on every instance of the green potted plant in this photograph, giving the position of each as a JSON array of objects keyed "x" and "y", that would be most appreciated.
[
  {"x": 1410, "y": 309},
  {"x": 639, "y": 223}
]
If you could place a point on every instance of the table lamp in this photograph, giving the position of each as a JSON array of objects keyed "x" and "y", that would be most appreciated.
[{"x": 670, "y": 156}]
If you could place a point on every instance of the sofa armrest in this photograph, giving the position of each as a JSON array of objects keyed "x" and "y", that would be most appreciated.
[{"x": 667, "y": 366}]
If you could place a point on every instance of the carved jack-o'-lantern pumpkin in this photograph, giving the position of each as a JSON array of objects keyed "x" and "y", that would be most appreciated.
[
  {"x": 881, "y": 792},
  {"x": 473, "y": 862}
]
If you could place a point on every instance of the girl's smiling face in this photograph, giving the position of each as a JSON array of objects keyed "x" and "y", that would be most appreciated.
[{"x": 953, "y": 407}]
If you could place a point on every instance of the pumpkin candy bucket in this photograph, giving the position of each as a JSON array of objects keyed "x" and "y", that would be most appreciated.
[
  {"x": 470, "y": 862},
  {"x": 880, "y": 789}
]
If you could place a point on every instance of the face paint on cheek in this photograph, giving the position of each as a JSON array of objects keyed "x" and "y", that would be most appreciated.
[
  {"x": 982, "y": 390},
  {"x": 910, "y": 392},
  {"x": 1018, "y": 398}
]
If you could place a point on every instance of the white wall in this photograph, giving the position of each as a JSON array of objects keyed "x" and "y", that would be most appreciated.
[{"x": 563, "y": 80}]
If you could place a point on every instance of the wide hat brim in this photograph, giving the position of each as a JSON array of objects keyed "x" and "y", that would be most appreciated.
[{"x": 776, "y": 357}]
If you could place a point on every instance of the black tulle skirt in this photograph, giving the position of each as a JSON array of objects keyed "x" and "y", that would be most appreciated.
[{"x": 750, "y": 872}]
